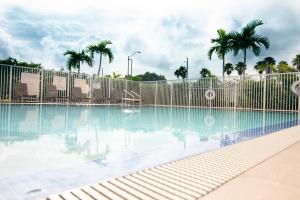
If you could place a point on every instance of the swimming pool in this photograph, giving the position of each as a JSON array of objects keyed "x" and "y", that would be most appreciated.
[{"x": 48, "y": 148}]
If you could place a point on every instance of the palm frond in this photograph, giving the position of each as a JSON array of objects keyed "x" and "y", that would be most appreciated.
[{"x": 107, "y": 52}]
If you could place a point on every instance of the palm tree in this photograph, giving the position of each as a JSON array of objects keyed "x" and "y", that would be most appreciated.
[
  {"x": 270, "y": 64},
  {"x": 260, "y": 66},
  {"x": 248, "y": 39},
  {"x": 182, "y": 71},
  {"x": 101, "y": 49},
  {"x": 220, "y": 46},
  {"x": 228, "y": 68},
  {"x": 296, "y": 62},
  {"x": 116, "y": 75},
  {"x": 205, "y": 73},
  {"x": 240, "y": 67},
  {"x": 76, "y": 59},
  {"x": 177, "y": 73}
]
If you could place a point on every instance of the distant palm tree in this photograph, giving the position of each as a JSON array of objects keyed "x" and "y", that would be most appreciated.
[
  {"x": 205, "y": 73},
  {"x": 101, "y": 49},
  {"x": 240, "y": 67},
  {"x": 181, "y": 72},
  {"x": 270, "y": 64},
  {"x": 228, "y": 68},
  {"x": 177, "y": 73},
  {"x": 248, "y": 39},
  {"x": 116, "y": 75},
  {"x": 76, "y": 59},
  {"x": 220, "y": 46},
  {"x": 296, "y": 62},
  {"x": 260, "y": 66}
]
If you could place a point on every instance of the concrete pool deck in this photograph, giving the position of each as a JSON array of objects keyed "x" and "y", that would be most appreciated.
[{"x": 267, "y": 167}]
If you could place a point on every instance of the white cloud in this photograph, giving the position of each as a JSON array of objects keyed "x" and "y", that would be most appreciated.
[{"x": 164, "y": 31}]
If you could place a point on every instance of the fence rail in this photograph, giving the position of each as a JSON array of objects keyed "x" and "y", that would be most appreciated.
[{"x": 255, "y": 92}]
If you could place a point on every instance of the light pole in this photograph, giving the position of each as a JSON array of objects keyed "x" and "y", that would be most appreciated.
[
  {"x": 187, "y": 67},
  {"x": 130, "y": 61}
]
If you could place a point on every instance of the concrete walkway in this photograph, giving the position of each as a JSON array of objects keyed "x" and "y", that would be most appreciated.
[
  {"x": 276, "y": 178},
  {"x": 271, "y": 161}
]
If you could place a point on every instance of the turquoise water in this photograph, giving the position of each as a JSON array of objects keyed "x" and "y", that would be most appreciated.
[{"x": 52, "y": 148}]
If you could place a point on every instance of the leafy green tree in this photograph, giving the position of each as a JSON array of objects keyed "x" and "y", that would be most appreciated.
[
  {"x": 240, "y": 67},
  {"x": 296, "y": 62},
  {"x": 136, "y": 78},
  {"x": 221, "y": 47},
  {"x": 228, "y": 68},
  {"x": 76, "y": 59},
  {"x": 148, "y": 76},
  {"x": 9, "y": 61},
  {"x": 283, "y": 67},
  {"x": 13, "y": 61},
  {"x": 152, "y": 77},
  {"x": 247, "y": 39},
  {"x": 101, "y": 49},
  {"x": 205, "y": 73}
]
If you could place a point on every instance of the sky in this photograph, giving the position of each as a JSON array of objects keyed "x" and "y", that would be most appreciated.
[{"x": 166, "y": 32}]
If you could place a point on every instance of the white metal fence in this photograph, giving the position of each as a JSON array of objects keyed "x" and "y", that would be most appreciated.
[
  {"x": 64, "y": 81},
  {"x": 256, "y": 92}
]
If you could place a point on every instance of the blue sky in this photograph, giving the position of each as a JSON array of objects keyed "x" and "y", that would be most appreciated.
[{"x": 164, "y": 31}]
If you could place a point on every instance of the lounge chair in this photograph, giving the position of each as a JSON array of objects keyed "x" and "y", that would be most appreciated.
[
  {"x": 132, "y": 97},
  {"x": 115, "y": 97},
  {"x": 77, "y": 95},
  {"x": 21, "y": 93},
  {"x": 51, "y": 93},
  {"x": 98, "y": 96}
]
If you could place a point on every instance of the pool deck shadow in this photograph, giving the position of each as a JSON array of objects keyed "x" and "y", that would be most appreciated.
[{"x": 267, "y": 167}]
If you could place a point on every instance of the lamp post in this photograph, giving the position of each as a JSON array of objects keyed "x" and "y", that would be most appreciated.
[
  {"x": 130, "y": 61},
  {"x": 187, "y": 67}
]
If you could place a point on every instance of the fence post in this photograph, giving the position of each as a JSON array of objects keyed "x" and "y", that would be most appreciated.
[
  {"x": 10, "y": 84},
  {"x": 155, "y": 95},
  {"x": 141, "y": 89},
  {"x": 109, "y": 88},
  {"x": 140, "y": 93},
  {"x": 299, "y": 109},
  {"x": 235, "y": 95},
  {"x": 264, "y": 93},
  {"x": 210, "y": 87},
  {"x": 171, "y": 94},
  {"x": 68, "y": 86},
  {"x": 91, "y": 86},
  {"x": 42, "y": 85},
  {"x": 126, "y": 85},
  {"x": 189, "y": 85},
  {"x": 299, "y": 103}
]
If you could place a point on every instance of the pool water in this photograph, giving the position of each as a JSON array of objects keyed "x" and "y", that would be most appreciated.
[{"x": 48, "y": 148}]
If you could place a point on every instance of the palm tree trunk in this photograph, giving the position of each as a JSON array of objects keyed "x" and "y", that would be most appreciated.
[
  {"x": 100, "y": 61},
  {"x": 78, "y": 67},
  {"x": 223, "y": 67},
  {"x": 245, "y": 58}
]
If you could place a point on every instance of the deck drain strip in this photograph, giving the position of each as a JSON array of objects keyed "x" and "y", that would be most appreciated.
[{"x": 191, "y": 177}]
